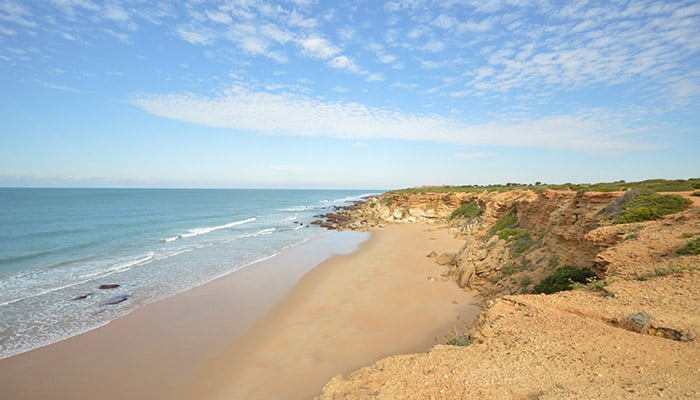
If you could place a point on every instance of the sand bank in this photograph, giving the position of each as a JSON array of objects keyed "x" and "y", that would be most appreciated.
[{"x": 247, "y": 336}]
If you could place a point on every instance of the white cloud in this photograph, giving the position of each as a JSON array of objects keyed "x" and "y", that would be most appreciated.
[
  {"x": 219, "y": 17},
  {"x": 344, "y": 62},
  {"x": 435, "y": 46},
  {"x": 471, "y": 26},
  {"x": 56, "y": 86},
  {"x": 296, "y": 19},
  {"x": 16, "y": 13},
  {"x": 294, "y": 115},
  {"x": 386, "y": 58},
  {"x": 193, "y": 37},
  {"x": 445, "y": 21},
  {"x": 375, "y": 77},
  {"x": 70, "y": 5},
  {"x": 115, "y": 13},
  {"x": 317, "y": 47}
]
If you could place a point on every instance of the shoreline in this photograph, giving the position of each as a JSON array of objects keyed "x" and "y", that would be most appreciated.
[
  {"x": 175, "y": 341},
  {"x": 169, "y": 338},
  {"x": 313, "y": 262}
]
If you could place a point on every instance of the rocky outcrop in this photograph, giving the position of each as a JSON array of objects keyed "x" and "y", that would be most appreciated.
[{"x": 553, "y": 228}]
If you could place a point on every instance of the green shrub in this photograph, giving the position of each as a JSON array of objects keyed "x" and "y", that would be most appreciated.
[
  {"x": 639, "y": 214},
  {"x": 563, "y": 278},
  {"x": 647, "y": 206},
  {"x": 507, "y": 221},
  {"x": 695, "y": 194},
  {"x": 458, "y": 339},
  {"x": 467, "y": 210},
  {"x": 692, "y": 248},
  {"x": 512, "y": 234}
]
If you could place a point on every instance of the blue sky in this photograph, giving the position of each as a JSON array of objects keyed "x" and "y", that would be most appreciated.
[{"x": 347, "y": 94}]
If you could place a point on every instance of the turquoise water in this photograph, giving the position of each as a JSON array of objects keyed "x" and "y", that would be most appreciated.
[{"x": 58, "y": 246}]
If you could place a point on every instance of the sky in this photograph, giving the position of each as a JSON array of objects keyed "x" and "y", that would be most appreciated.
[{"x": 347, "y": 94}]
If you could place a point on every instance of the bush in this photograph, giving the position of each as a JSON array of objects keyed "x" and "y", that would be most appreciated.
[
  {"x": 692, "y": 248},
  {"x": 639, "y": 214},
  {"x": 458, "y": 339},
  {"x": 647, "y": 206},
  {"x": 563, "y": 278},
  {"x": 507, "y": 221},
  {"x": 467, "y": 210}
]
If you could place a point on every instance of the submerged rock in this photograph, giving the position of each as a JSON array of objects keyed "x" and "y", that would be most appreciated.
[{"x": 118, "y": 299}]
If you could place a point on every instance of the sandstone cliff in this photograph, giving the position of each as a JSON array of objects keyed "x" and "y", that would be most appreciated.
[
  {"x": 551, "y": 229},
  {"x": 631, "y": 334}
]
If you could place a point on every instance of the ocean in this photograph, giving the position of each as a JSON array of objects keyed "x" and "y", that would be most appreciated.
[{"x": 72, "y": 260}]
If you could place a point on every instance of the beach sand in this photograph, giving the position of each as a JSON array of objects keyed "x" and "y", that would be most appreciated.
[{"x": 254, "y": 334}]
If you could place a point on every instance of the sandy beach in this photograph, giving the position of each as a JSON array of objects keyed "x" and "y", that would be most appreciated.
[{"x": 255, "y": 334}]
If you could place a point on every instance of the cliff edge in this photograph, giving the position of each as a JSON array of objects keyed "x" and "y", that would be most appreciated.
[{"x": 629, "y": 331}]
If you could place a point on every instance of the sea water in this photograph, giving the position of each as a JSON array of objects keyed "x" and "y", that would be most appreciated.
[{"x": 58, "y": 247}]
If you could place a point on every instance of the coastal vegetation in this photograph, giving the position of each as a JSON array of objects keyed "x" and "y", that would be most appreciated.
[
  {"x": 692, "y": 248},
  {"x": 468, "y": 210},
  {"x": 639, "y": 206},
  {"x": 509, "y": 220},
  {"x": 564, "y": 278},
  {"x": 456, "y": 338},
  {"x": 654, "y": 185}
]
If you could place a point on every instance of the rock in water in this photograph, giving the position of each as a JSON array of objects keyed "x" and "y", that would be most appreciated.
[
  {"x": 118, "y": 299},
  {"x": 108, "y": 286},
  {"x": 82, "y": 296}
]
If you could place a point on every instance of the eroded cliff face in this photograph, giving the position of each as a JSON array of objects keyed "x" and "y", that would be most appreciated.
[
  {"x": 551, "y": 229},
  {"x": 630, "y": 335}
]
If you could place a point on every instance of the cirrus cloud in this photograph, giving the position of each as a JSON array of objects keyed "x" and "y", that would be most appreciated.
[{"x": 295, "y": 115}]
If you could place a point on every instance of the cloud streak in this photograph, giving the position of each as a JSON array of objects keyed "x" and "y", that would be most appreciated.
[{"x": 294, "y": 115}]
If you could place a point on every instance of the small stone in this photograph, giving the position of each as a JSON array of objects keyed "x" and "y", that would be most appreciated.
[{"x": 446, "y": 258}]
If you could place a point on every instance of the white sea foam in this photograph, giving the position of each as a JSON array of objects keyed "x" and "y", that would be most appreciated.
[
  {"x": 38, "y": 290},
  {"x": 262, "y": 232},
  {"x": 353, "y": 198},
  {"x": 208, "y": 229}
]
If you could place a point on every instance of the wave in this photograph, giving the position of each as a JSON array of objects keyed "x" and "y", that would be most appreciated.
[
  {"x": 208, "y": 229},
  {"x": 263, "y": 232},
  {"x": 78, "y": 280},
  {"x": 349, "y": 199},
  {"x": 303, "y": 208}
]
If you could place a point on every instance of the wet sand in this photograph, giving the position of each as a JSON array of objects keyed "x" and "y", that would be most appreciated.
[{"x": 254, "y": 334}]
